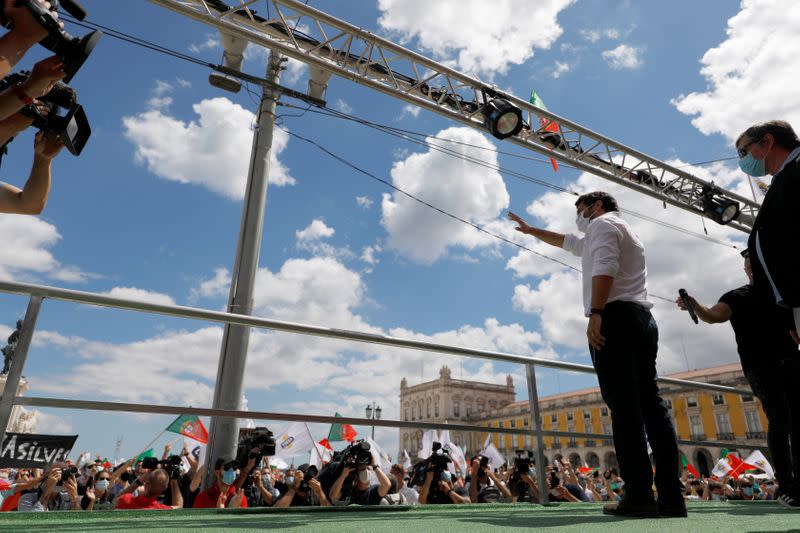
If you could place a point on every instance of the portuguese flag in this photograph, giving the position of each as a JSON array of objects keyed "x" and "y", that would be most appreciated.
[
  {"x": 544, "y": 123},
  {"x": 189, "y": 426},
  {"x": 341, "y": 432},
  {"x": 688, "y": 466}
]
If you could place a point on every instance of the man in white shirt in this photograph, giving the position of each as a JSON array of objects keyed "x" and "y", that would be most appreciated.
[
  {"x": 623, "y": 342},
  {"x": 410, "y": 495}
]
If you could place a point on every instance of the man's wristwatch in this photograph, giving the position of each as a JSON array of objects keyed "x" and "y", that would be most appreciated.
[{"x": 595, "y": 311}]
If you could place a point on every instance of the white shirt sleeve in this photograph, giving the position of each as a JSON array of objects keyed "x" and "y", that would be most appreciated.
[
  {"x": 605, "y": 249},
  {"x": 573, "y": 244}
]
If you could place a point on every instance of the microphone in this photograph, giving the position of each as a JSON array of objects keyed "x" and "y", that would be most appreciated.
[{"x": 688, "y": 304}]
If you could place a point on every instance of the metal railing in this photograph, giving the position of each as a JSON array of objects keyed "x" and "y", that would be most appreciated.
[{"x": 38, "y": 293}]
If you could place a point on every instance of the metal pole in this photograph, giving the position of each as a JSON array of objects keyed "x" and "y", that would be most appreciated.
[
  {"x": 18, "y": 363},
  {"x": 223, "y": 436},
  {"x": 536, "y": 425}
]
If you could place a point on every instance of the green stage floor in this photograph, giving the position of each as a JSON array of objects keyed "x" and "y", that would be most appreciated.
[{"x": 705, "y": 517}]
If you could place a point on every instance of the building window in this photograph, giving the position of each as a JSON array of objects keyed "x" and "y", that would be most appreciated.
[
  {"x": 718, "y": 398},
  {"x": 456, "y": 409},
  {"x": 428, "y": 410},
  {"x": 528, "y": 444},
  {"x": 587, "y": 414},
  {"x": 747, "y": 398},
  {"x": 753, "y": 421},
  {"x": 668, "y": 403},
  {"x": 723, "y": 424},
  {"x": 480, "y": 406},
  {"x": 436, "y": 409},
  {"x": 569, "y": 415},
  {"x": 604, "y": 411},
  {"x": 606, "y": 429},
  {"x": 691, "y": 401},
  {"x": 696, "y": 424},
  {"x": 513, "y": 423},
  {"x": 554, "y": 419},
  {"x": 406, "y": 418},
  {"x": 467, "y": 410},
  {"x": 525, "y": 422},
  {"x": 413, "y": 413}
]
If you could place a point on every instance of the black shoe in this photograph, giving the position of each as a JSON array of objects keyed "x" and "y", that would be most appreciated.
[
  {"x": 632, "y": 510},
  {"x": 676, "y": 509},
  {"x": 789, "y": 501}
]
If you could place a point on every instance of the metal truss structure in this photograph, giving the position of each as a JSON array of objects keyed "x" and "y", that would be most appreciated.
[{"x": 335, "y": 46}]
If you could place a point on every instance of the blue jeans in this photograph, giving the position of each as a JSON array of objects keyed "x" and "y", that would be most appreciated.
[
  {"x": 626, "y": 370},
  {"x": 776, "y": 387}
]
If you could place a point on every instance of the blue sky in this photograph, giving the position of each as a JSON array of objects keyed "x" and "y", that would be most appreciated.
[{"x": 152, "y": 207}]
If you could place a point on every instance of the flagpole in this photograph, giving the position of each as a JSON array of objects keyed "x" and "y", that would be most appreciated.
[
  {"x": 151, "y": 443},
  {"x": 314, "y": 443}
]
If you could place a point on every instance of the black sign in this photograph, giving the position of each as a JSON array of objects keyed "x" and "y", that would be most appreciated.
[{"x": 26, "y": 450}]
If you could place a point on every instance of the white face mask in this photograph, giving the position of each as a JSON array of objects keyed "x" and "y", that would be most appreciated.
[
  {"x": 581, "y": 221},
  {"x": 363, "y": 476}
]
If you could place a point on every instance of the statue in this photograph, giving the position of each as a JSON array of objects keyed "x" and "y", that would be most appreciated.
[{"x": 11, "y": 348}]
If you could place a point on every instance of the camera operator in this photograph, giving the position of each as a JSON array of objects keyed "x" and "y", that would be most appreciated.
[
  {"x": 24, "y": 34},
  {"x": 153, "y": 484},
  {"x": 224, "y": 491},
  {"x": 259, "y": 490},
  {"x": 58, "y": 491},
  {"x": 484, "y": 485},
  {"x": 437, "y": 489},
  {"x": 361, "y": 492},
  {"x": 303, "y": 489}
]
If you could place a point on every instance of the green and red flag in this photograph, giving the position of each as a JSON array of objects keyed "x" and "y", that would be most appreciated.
[
  {"x": 340, "y": 432},
  {"x": 147, "y": 453},
  {"x": 545, "y": 123},
  {"x": 189, "y": 426},
  {"x": 738, "y": 467},
  {"x": 688, "y": 466},
  {"x": 587, "y": 469}
]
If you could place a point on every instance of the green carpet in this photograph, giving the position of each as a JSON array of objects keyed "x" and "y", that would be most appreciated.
[{"x": 705, "y": 517}]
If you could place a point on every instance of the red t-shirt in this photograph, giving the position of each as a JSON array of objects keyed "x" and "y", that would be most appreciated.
[
  {"x": 208, "y": 498},
  {"x": 129, "y": 501}
]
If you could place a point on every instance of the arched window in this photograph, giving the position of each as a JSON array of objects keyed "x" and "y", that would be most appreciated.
[
  {"x": 436, "y": 407},
  {"x": 428, "y": 410}
]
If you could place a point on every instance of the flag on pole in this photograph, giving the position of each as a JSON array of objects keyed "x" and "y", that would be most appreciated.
[
  {"x": 722, "y": 468},
  {"x": 340, "y": 432},
  {"x": 379, "y": 456},
  {"x": 496, "y": 459},
  {"x": 189, "y": 426},
  {"x": 294, "y": 440},
  {"x": 757, "y": 458},
  {"x": 444, "y": 437},
  {"x": 738, "y": 466},
  {"x": 406, "y": 461},
  {"x": 428, "y": 438},
  {"x": 688, "y": 466},
  {"x": 325, "y": 443},
  {"x": 196, "y": 449},
  {"x": 322, "y": 455},
  {"x": 459, "y": 463},
  {"x": 545, "y": 123},
  {"x": 147, "y": 453}
]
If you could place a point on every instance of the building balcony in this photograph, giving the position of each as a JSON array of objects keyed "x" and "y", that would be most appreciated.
[
  {"x": 555, "y": 446},
  {"x": 698, "y": 436},
  {"x": 607, "y": 442},
  {"x": 572, "y": 443},
  {"x": 756, "y": 435},
  {"x": 725, "y": 436},
  {"x": 589, "y": 443}
]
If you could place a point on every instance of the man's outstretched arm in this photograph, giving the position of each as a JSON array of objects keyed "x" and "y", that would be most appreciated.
[
  {"x": 31, "y": 199},
  {"x": 550, "y": 237}
]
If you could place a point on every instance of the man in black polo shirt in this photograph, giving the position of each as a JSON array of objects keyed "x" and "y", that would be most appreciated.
[{"x": 771, "y": 363}]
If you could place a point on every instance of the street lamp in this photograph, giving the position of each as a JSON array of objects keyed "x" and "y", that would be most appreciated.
[{"x": 373, "y": 413}]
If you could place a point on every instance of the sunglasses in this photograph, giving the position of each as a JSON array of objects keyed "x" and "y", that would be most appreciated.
[{"x": 743, "y": 150}]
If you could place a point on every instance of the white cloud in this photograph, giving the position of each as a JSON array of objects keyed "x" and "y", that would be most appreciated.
[
  {"x": 212, "y": 152},
  {"x": 624, "y": 57},
  {"x": 368, "y": 254},
  {"x": 674, "y": 261},
  {"x": 142, "y": 295},
  {"x": 216, "y": 286},
  {"x": 486, "y": 42},
  {"x": 211, "y": 42},
  {"x": 32, "y": 239},
  {"x": 315, "y": 231},
  {"x": 560, "y": 68},
  {"x": 364, "y": 201},
  {"x": 744, "y": 86},
  {"x": 342, "y": 106},
  {"x": 471, "y": 192},
  {"x": 410, "y": 110},
  {"x": 591, "y": 35},
  {"x": 50, "y": 424}
]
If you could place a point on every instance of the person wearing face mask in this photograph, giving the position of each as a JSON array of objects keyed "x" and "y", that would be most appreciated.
[
  {"x": 774, "y": 148},
  {"x": 623, "y": 343},
  {"x": 362, "y": 492},
  {"x": 226, "y": 474},
  {"x": 151, "y": 486},
  {"x": 303, "y": 489}
]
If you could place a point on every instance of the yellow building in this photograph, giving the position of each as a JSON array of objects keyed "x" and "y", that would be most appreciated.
[{"x": 698, "y": 415}]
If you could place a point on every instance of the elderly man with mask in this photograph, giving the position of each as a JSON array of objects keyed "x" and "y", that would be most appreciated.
[
  {"x": 149, "y": 487},
  {"x": 361, "y": 491}
]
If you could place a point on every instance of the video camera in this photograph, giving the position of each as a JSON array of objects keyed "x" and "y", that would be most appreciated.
[
  {"x": 260, "y": 438},
  {"x": 437, "y": 462},
  {"x": 72, "y": 127},
  {"x": 67, "y": 472},
  {"x": 522, "y": 463},
  {"x": 357, "y": 454},
  {"x": 73, "y": 50},
  {"x": 173, "y": 466}
]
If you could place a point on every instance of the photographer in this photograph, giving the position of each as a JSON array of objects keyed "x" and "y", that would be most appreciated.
[
  {"x": 361, "y": 492},
  {"x": 303, "y": 489},
  {"x": 437, "y": 489},
  {"x": 484, "y": 486},
  {"x": 25, "y": 33},
  {"x": 259, "y": 490},
  {"x": 58, "y": 491},
  {"x": 153, "y": 485},
  {"x": 410, "y": 495}
]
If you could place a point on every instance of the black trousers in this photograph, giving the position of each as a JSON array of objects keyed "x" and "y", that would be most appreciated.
[
  {"x": 626, "y": 370},
  {"x": 777, "y": 388}
]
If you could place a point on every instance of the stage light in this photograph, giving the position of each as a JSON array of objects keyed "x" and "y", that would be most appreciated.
[
  {"x": 232, "y": 57},
  {"x": 501, "y": 118},
  {"x": 720, "y": 210}
]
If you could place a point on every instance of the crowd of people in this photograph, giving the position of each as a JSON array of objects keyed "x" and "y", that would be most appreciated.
[{"x": 176, "y": 481}]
